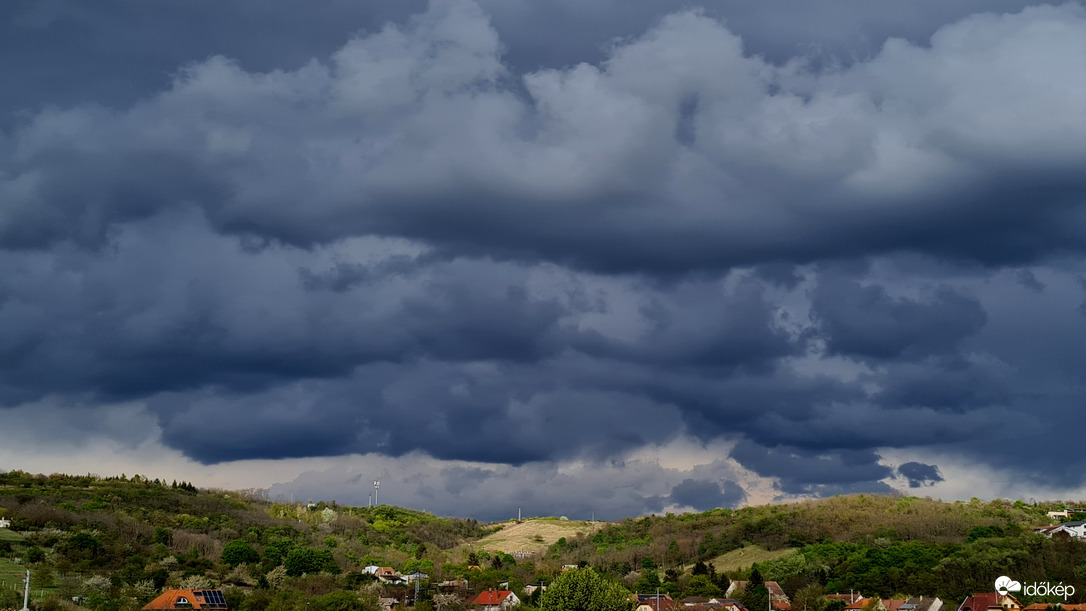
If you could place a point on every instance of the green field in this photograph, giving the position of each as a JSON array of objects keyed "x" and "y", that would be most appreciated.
[
  {"x": 6, "y": 534},
  {"x": 741, "y": 559},
  {"x": 11, "y": 574}
]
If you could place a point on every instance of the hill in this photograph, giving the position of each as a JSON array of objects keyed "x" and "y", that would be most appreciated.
[
  {"x": 114, "y": 542},
  {"x": 535, "y": 534}
]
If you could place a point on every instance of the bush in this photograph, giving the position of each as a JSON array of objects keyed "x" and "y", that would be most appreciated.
[{"x": 238, "y": 552}]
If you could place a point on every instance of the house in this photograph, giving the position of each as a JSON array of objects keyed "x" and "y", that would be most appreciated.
[
  {"x": 530, "y": 588},
  {"x": 777, "y": 597},
  {"x": 416, "y": 576},
  {"x": 990, "y": 601},
  {"x": 931, "y": 603},
  {"x": 654, "y": 602},
  {"x": 700, "y": 603},
  {"x": 5, "y": 523},
  {"x": 1063, "y": 513},
  {"x": 872, "y": 604},
  {"x": 1075, "y": 529},
  {"x": 188, "y": 600},
  {"x": 848, "y": 598},
  {"x": 387, "y": 574},
  {"x": 495, "y": 600},
  {"x": 451, "y": 585},
  {"x": 387, "y": 604},
  {"x": 371, "y": 569}
]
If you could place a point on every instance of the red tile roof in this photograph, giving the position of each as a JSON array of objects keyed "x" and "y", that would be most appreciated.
[
  {"x": 491, "y": 597},
  {"x": 986, "y": 600},
  {"x": 170, "y": 600}
]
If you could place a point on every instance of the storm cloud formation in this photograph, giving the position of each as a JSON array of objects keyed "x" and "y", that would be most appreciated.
[{"x": 445, "y": 240}]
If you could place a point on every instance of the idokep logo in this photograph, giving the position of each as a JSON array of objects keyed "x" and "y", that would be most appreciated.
[{"x": 1005, "y": 584}]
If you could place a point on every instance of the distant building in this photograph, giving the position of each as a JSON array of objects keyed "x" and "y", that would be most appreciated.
[
  {"x": 922, "y": 603},
  {"x": 188, "y": 600},
  {"x": 652, "y": 602},
  {"x": 874, "y": 604},
  {"x": 990, "y": 601},
  {"x": 5, "y": 523},
  {"x": 1075, "y": 530},
  {"x": 777, "y": 597},
  {"x": 495, "y": 600}
]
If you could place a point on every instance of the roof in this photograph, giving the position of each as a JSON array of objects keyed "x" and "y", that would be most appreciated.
[
  {"x": 196, "y": 600},
  {"x": 848, "y": 597},
  {"x": 775, "y": 589},
  {"x": 640, "y": 598},
  {"x": 492, "y": 597},
  {"x": 922, "y": 603},
  {"x": 986, "y": 600},
  {"x": 893, "y": 604},
  {"x": 664, "y": 603}
]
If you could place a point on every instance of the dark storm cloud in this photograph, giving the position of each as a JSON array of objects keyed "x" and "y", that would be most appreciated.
[
  {"x": 801, "y": 471},
  {"x": 703, "y": 495},
  {"x": 428, "y": 229},
  {"x": 867, "y": 321},
  {"x": 115, "y": 52},
  {"x": 919, "y": 474},
  {"x": 414, "y": 130}
]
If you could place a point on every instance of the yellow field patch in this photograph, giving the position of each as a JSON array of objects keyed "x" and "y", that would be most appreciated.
[{"x": 534, "y": 535}]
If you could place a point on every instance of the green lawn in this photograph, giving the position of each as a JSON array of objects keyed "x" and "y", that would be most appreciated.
[
  {"x": 741, "y": 559},
  {"x": 6, "y": 534},
  {"x": 12, "y": 576}
]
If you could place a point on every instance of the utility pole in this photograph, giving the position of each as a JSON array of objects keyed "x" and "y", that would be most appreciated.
[{"x": 26, "y": 592}]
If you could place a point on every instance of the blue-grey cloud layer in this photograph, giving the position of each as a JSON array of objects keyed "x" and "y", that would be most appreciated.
[{"x": 442, "y": 233}]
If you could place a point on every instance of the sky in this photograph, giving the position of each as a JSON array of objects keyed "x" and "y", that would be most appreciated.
[{"x": 564, "y": 257}]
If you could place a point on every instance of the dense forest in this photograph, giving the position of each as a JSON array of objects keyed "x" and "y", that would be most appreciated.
[{"x": 112, "y": 544}]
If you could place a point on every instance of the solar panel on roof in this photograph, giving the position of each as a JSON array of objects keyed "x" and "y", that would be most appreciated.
[{"x": 213, "y": 598}]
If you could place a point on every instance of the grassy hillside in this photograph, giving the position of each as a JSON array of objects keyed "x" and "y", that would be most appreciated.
[
  {"x": 534, "y": 534},
  {"x": 742, "y": 559}
]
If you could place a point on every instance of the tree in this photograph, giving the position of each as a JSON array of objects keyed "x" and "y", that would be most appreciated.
[
  {"x": 810, "y": 598},
  {"x": 238, "y": 552},
  {"x": 584, "y": 590},
  {"x": 701, "y": 585},
  {"x": 755, "y": 595},
  {"x": 302, "y": 561},
  {"x": 648, "y": 582},
  {"x": 344, "y": 601}
]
